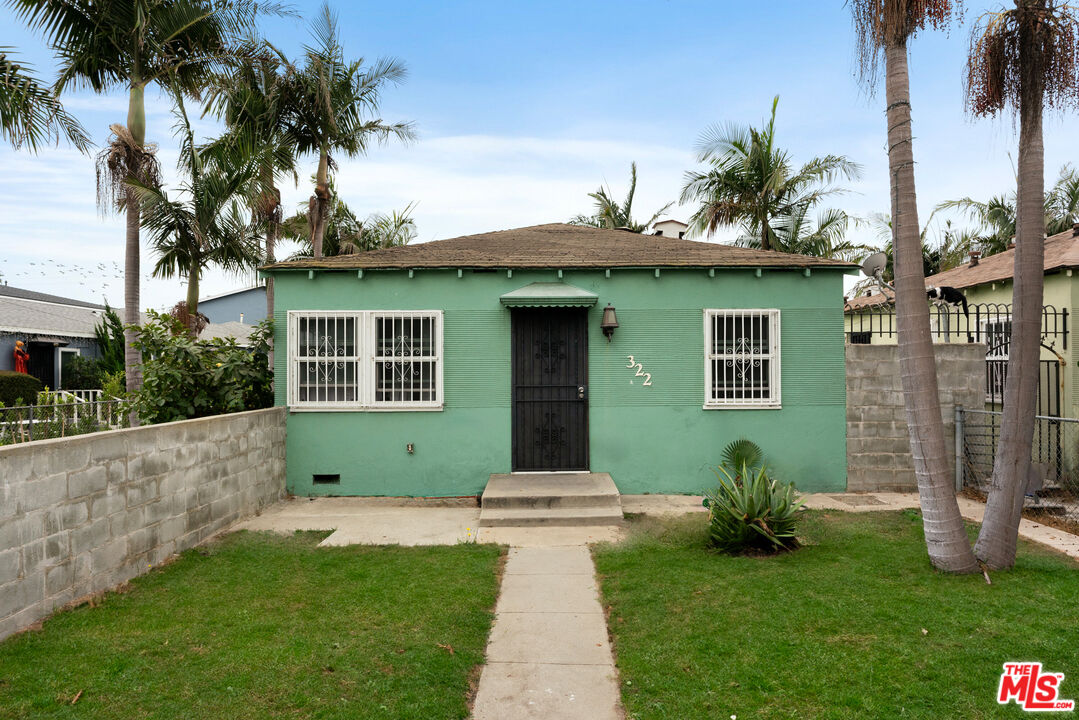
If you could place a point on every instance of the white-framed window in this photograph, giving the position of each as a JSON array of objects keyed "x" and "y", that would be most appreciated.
[
  {"x": 998, "y": 338},
  {"x": 365, "y": 360},
  {"x": 741, "y": 358}
]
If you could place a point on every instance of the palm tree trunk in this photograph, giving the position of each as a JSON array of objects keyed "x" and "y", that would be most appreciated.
[
  {"x": 320, "y": 203},
  {"x": 193, "y": 298},
  {"x": 945, "y": 534},
  {"x": 999, "y": 534},
  {"x": 271, "y": 238},
  {"x": 136, "y": 125}
]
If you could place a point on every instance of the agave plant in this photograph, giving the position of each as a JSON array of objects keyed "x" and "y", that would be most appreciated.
[{"x": 752, "y": 511}]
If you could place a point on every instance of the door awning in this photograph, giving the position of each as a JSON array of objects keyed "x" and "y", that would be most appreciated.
[{"x": 549, "y": 294}]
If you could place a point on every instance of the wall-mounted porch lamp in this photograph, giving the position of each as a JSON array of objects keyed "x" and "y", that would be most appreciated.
[{"x": 609, "y": 322}]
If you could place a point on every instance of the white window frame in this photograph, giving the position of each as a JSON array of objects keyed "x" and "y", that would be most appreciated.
[
  {"x": 365, "y": 327},
  {"x": 773, "y": 355},
  {"x": 1002, "y": 326}
]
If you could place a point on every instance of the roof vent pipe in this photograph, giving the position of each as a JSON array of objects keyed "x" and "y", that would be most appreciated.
[{"x": 975, "y": 256}]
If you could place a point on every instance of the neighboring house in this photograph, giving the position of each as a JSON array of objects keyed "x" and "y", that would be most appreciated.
[
  {"x": 423, "y": 369},
  {"x": 247, "y": 306},
  {"x": 238, "y": 331},
  {"x": 54, "y": 329},
  {"x": 670, "y": 228},
  {"x": 987, "y": 284}
]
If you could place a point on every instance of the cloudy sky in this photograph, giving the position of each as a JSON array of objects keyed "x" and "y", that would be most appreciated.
[{"x": 524, "y": 108}]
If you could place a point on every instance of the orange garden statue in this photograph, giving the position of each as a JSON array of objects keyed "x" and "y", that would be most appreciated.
[{"x": 21, "y": 357}]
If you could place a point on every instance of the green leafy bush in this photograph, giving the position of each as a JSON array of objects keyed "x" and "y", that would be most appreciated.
[
  {"x": 184, "y": 378},
  {"x": 752, "y": 512},
  {"x": 18, "y": 388},
  {"x": 80, "y": 373}
]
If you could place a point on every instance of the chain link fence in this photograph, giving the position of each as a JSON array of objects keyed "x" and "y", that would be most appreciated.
[
  {"x": 63, "y": 418},
  {"x": 1053, "y": 488}
]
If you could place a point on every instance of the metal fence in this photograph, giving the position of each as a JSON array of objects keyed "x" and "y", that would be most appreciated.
[
  {"x": 62, "y": 418},
  {"x": 1054, "y": 483},
  {"x": 989, "y": 323}
]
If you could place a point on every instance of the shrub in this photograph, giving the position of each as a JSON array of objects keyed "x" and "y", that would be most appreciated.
[
  {"x": 742, "y": 453},
  {"x": 80, "y": 373},
  {"x": 109, "y": 334},
  {"x": 113, "y": 385},
  {"x": 18, "y": 388},
  {"x": 751, "y": 511},
  {"x": 185, "y": 378}
]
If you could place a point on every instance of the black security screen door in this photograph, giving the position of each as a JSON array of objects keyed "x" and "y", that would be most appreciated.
[{"x": 550, "y": 389}]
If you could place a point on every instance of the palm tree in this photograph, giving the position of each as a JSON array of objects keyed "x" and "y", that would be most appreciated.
[
  {"x": 750, "y": 182},
  {"x": 208, "y": 227},
  {"x": 132, "y": 44},
  {"x": 346, "y": 234},
  {"x": 31, "y": 115},
  {"x": 823, "y": 236},
  {"x": 996, "y": 216},
  {"x": 883, "y": 28},
  {"x": 252, "y": 97},
  {"x": 609, "y": 214},
  {"x": 1021, "y": 59},
  {"x": 330, "y": 104},
  {"x": 1062, "y": 202}
]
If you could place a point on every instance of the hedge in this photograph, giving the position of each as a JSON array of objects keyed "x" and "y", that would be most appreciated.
[{"x": 18, "y": 388}]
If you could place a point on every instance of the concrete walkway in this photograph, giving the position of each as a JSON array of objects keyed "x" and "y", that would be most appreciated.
[
  {"x": 411, "y": 521},
  {"x": 548, "y": 655},
  {"x": 447, "y": 521}
]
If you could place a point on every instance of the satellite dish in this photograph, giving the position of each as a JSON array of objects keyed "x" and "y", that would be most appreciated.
[{"x": 874, "y": 265}]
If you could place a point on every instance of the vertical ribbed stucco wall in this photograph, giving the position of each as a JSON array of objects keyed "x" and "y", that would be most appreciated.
[
  {"x": 650, "y": 439},
  {"x": 878, "y": 443}
]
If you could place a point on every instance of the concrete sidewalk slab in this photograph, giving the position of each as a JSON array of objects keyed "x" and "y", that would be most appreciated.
[
  {"x": 551, "y": 536},
  {"x": 373, "y": 521},
  {"x": 514, "y": 691},
  {"x": 662, "y": 504},
  {"x": 562, "y": 638},
  {"x": 548, "y": 593},
  {"x": 547, "y": 560}
]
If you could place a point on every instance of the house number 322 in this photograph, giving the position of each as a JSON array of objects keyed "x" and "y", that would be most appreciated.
[{"x": 640, "y": 371}]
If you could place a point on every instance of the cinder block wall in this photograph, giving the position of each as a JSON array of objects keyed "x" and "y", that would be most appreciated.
[
  {"x": 878, "y": 446},
  {"x": 83, "y": 514}
]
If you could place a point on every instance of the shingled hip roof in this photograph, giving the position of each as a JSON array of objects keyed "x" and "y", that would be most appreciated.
[
  {"x": 558, "y": 245},
  {"x": 1061, "y": 251}
]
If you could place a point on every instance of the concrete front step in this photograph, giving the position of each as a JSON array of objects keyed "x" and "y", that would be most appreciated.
[
  {"x": 557, "y": 499},
  {"x": 550, "y": 490}
]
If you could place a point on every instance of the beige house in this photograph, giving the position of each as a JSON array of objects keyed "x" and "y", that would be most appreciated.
[{"x": 987, "y": 284}]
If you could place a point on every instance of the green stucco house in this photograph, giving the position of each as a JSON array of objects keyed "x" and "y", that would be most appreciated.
[{"x": 422, "y": 370}]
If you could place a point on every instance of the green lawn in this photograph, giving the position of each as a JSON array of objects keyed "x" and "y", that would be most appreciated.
[
  {"x": 265, "y": 626},
  {"x": 834, "y": 630}
]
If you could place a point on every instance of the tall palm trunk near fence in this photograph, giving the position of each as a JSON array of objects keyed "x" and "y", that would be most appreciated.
[
  {"x": 883, "y": 28},
  {"x": 1024, "y": 58},
  {"x": 945, "y": 534}
]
